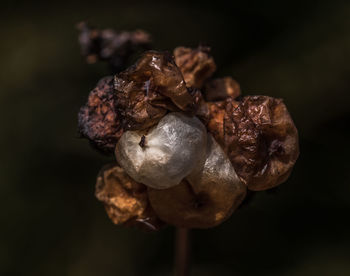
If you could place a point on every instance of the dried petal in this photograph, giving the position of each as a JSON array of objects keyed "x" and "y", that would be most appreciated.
[
  {"x": 98, "y": 119},
  {"x": 151, "y": 88},
  {"x": 220, "y": 89},
  {"x": 125, "y": 200},
  {"x": 166, "y": 154},
  {"x": 207, "y": 198},
  {"x": 261, "y": 141},
  {"x": 114, "y": 47},
  {"x": 195, "y": 64}
]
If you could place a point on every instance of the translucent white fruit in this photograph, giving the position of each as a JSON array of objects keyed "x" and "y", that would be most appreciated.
[
  {"x": 167, "y": 153},
  {"x": 218, "y": 179}
]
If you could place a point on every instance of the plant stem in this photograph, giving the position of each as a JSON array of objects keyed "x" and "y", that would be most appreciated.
[{"x": 182, "y": 252}]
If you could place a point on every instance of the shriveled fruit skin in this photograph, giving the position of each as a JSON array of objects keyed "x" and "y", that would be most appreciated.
[
  {"x": 196, "y": 65},
  {"x": 148, "y": 90},
  {"x": 125, "y": 200},
  {"x": 166, "y": 154},
  {"x": 261, "y": 141},
  {"x": 98, "y": 119},
  {"x": 206, "y": 198},
  {"x": 216, "y": 117}
]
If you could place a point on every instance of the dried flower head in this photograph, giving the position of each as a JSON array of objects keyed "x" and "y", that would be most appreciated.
[
  {"x": 156, "y": 119},
  {"x": 125, "y": 200},
  {"x": 196, "y": 65},
  {"x": 98, "y": 119}
]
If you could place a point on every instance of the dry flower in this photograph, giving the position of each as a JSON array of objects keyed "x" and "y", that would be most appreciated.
[
  {"x": 156, "y": 119},
  {"x": 125, "y": 200}
]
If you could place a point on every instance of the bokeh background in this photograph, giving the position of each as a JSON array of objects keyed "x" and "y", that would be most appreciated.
[{"x": 51, "y": 223}]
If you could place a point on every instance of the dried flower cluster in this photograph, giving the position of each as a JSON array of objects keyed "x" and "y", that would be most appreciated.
[{"x": 187, "y": 148}]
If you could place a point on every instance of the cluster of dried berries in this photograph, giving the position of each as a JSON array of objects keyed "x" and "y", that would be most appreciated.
[{"x": 186, "y": 148}]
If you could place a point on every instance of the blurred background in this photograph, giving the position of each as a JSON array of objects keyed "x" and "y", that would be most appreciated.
[{"x": 51, "y": 223}]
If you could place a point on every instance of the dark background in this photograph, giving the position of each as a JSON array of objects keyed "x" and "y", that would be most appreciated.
[{"x": 51, "y": 223}]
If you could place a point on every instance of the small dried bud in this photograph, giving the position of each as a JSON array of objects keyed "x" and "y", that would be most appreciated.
[
  {"x": 125, "y": 200},
  {"x": 261, "y": 141},
  {"x": 98, "y": 119},
  {"x": 151, "y": 88},
  {"x": 114, "y": 47},
  {"x": 195, "y": 64},
  {"x": 220, "y": 89}
]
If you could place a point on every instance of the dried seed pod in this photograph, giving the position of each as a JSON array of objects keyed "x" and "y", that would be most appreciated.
[
  {"x": 109, "y": 45},
  {"x": 125, "y": 200},
  {"x": 220, "y": 89},
  {"x": 261, "y": 141},
  {"x": 151, "y": 88},
  {"x": 206, "y": 198},
  {"x": 98, "y": 119},
  {"x": 195, "y": 64},
  {"x": 166, "y": 154}
]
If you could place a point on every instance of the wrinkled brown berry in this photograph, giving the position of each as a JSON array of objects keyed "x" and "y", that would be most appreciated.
[
  {"x": 204, "y": 207},
  {"x": 98, "y": 119},
  {"x": 148, "y": 90},
  {"x": 110, "y": 45},
  {"x": 261, "y": 141},
  {"x": 195, "y": 64},
  {"x": 125, "y": 200},
  {"x": 220, "y": 89}
]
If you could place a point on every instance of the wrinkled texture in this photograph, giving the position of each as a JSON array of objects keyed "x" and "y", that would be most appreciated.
[
  {"x": 206, "y": 198},
  {"x": 114, "y": 47},
  {"x": 261, "y": 141},
  {"x": 169, "y": 153},
  {"x": 215, "y": 123},
  {"x": 98, "y": 120},
  {"x": 196, "y": 65},
  {"x": 151, "y": 88},
  {"x": 125, "y": 200},
  {"x": 220, "y": 89}
]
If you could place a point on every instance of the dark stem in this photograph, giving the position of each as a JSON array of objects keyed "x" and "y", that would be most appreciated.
[{"x": 182, "y": 252}]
